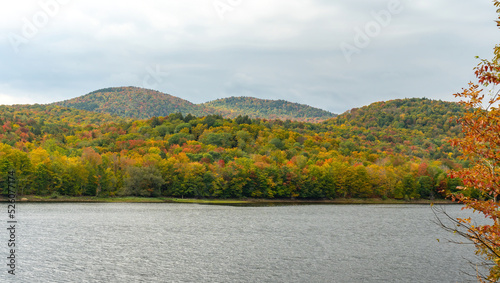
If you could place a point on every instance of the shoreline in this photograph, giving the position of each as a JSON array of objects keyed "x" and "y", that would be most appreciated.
[{"x": 241, "y": 202}]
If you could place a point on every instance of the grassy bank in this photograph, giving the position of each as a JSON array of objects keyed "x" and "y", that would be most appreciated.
[{"x": 220, "y": 201}]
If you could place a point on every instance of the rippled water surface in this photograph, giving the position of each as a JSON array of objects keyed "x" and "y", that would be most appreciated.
[{"x": 205, "y": 243}]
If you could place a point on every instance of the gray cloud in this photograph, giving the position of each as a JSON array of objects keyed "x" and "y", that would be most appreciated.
[{"x": 269, "y": 49}]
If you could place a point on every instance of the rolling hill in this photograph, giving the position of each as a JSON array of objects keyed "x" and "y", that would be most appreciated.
[
  {"x": 264, "y": 108},
  {"x": 134, "y": 102},
  {"x": 432, "y": 117}
]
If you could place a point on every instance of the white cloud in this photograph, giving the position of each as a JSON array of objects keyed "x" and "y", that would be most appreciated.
[{"x": 10, "y": 100}]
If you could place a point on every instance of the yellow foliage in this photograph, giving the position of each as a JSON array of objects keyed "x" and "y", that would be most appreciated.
[{"x": 39, "y": 155}]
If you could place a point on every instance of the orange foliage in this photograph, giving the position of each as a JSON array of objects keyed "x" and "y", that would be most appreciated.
[{"x": 481, "y": 146}]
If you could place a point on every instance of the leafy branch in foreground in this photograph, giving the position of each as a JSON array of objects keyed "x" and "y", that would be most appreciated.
[
  {"x": 480, "y": 146},
  {"x": 464, "y": 229}
]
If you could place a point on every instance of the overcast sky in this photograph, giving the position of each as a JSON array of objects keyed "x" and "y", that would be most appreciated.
[{"x": 330, "y": 54}]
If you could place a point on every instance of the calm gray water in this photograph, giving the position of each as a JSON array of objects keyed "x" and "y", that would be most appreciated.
[{"x": 204, "y": 243}]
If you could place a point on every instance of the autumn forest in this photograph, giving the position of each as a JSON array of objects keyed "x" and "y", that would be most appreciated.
[{"x": 396, "y": 149}]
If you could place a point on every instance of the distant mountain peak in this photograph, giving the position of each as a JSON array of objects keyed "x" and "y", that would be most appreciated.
[
  {"x": 131, "y": 102},
  {"x": 136, "y": 102},
  {"x": 274, "y": 109}
]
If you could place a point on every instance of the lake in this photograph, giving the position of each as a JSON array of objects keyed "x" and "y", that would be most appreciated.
[{"x": 124, "y": 242}]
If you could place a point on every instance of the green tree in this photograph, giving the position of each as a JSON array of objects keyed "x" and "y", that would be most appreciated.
[
  {"x": 143, "y": 181},
  {"x": 180, "y": 138},
  {"x": 425, "y": 187}
]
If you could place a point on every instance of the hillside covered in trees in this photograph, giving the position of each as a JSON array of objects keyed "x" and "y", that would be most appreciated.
[
  {"x": 132, "y": 102},
  {"x": 233, "y": 107},
  {"x": 57, "y": 150},
  {"x": 140, "y": 103},
  {"x": 429, "y": 116}
]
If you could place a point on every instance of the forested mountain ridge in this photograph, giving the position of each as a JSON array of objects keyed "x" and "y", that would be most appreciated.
[
  {"x": 57, "y": 150},
  {"x": 140, "y": 103},
  {"x": 270, "y": 109},
  {"x": 132, "y": 102},
  {"x": 433, "y": 117}
]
